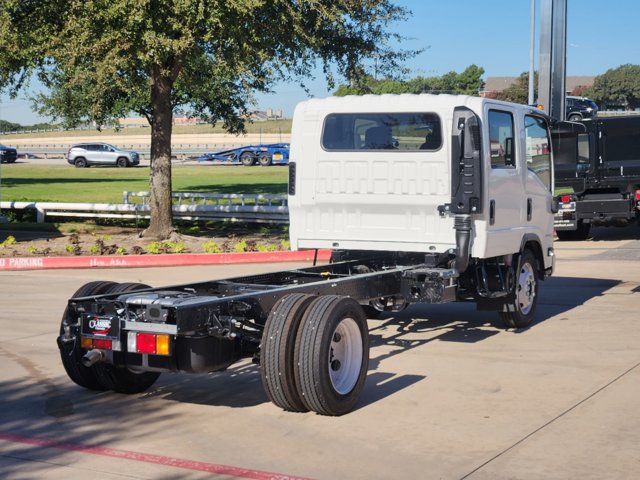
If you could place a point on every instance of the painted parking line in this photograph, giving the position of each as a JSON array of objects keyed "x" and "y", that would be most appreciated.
[
  {"x": 185, "y": 464},
  {"x": 172, "y": 260}
]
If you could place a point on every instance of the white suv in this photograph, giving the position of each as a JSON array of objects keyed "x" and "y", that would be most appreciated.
[{"x": 86, "y": 154}]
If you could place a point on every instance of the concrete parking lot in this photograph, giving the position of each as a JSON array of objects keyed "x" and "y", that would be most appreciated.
[{"x": 450, "y": 393}]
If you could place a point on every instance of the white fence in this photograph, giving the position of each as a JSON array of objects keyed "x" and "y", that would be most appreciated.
[{"x": 187, "y": 206}]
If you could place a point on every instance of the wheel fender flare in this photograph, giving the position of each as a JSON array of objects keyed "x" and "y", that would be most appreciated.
[{"x": 533, "y": 243}]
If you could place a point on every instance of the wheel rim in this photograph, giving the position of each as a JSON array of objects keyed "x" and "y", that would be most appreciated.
[
  {"x": 526, "y": 288},
  {"x": 345, "y": 356}
]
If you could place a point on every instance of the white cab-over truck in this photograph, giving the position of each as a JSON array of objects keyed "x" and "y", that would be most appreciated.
[{"x": 421, "y": 198}]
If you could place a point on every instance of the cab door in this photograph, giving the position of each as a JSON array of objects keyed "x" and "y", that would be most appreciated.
[
  {"x": 505, "y": 181},
  {"x": 537, "y": 216}
]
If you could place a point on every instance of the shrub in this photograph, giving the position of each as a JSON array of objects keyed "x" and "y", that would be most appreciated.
[
  {"x": 176, "y": 247},
  {"x": 240, "y": 247},
  {"x": 262, "y": 247},
  {"x": 211, "y": 246},
  {"x": 10, "y": 240},
  {"x": 155, "y": 248}
]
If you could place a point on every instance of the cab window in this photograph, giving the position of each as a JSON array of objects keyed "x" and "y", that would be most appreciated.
[
  {"x": 501, "y": 139},
  {"x": 538, "y": 148},
  {"x": 382, "y": 131}
]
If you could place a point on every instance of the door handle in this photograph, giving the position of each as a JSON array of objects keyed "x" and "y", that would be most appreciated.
[
  {"x": 492, "y": 212},
  {"x": 529, "y": 209}
]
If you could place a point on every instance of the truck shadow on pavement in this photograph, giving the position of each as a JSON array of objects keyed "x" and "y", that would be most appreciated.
[
  {"x": 392, "y": 334},
  {"x": 418, "y": 325}
]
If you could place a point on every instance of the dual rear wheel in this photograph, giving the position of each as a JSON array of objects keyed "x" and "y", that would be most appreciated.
[
  {"x": 315, "y": 353},
  {"x": 100, "y": 376}
]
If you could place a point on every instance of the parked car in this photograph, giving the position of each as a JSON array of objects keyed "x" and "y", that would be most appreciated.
[
  {"x": 86, "y": 154},
  {"x": 579, "y": 108},
  {"x": 8, "y": 154}
]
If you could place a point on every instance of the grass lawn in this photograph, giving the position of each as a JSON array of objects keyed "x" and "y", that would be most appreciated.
[{"x": 62, "y": 183}]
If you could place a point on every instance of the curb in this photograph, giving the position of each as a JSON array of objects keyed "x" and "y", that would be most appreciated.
[{"x": 172, "y": 260}]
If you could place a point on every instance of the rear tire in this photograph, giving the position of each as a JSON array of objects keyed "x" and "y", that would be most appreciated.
[
  {"x": 80, "y": 162},
  {"x": 264, "y": 160},
  {"x": 277, "y": 351},
  {"x": 247, "y": 159},
  {"x": 70, "y": 352},
  {"x": 123, "y": 379},
  {"x": 332, "y": 355},
  {"x": 523, "y": 308},
  {"x": 574, "y": 118}
]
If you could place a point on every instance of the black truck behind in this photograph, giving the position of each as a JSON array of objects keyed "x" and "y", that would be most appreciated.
[{"x": 597, "y": 174}]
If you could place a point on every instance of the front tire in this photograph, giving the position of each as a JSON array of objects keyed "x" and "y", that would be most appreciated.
[
  {"x": 122, "y": 162},
  {"x": 522, "y": 310},
  {"x": 332, "y": 355}
]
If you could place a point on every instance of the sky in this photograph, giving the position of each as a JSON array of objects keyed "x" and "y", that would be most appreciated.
[{"x": 493, "y": 34}]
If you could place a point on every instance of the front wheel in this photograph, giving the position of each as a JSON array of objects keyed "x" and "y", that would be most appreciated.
[
  {"x": 122, "y": 162},
  {"x": 332, "y": 355},
  {"x": 522, "y": 310}
]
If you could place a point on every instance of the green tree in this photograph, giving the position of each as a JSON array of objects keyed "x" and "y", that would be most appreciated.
[
  {"x": 518, "y": 92},
  {"x": 617, "y": 86},
  {"x": 102, "y": 59},
  {"x": 469, "y": 82},
  {"x": 6, "y": 126}
]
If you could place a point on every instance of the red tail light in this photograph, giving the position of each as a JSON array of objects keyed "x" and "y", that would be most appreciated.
[
  {"x": 146, "y": 343},
  {"x": 637, "y": 195},
  {"x": 565, "y": 198},
  {"x": 102, "y": 344}
]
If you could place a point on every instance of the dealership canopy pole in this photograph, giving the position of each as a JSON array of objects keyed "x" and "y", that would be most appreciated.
[
  {"x": 553, "y": 57},
  {"x": 532, "y": 45}
]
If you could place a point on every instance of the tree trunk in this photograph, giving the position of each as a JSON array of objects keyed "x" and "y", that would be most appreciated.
[{"x": 161, "y": 225}]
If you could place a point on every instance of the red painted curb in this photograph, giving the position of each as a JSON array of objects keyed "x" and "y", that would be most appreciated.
[
  {"x": 172, "y": 260},
  {"x": 214, "y": 468}
]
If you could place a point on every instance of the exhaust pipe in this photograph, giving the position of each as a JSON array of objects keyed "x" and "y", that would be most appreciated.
[
  {"x": 462, "y": 225},
  {"x": 92, "y": 357}
]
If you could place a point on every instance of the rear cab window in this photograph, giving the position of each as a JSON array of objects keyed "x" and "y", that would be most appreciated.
[{"x": 382, "y": 131}]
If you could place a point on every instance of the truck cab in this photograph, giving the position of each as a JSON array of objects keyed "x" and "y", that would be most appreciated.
[
  {"x": 597, "y": 174},
  {"x": 393, "y": 172}
]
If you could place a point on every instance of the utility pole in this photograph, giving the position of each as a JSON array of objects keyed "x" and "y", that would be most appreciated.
[
  {"x": 553, "y": 57},
  {"x": 532, "y": 49}
]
